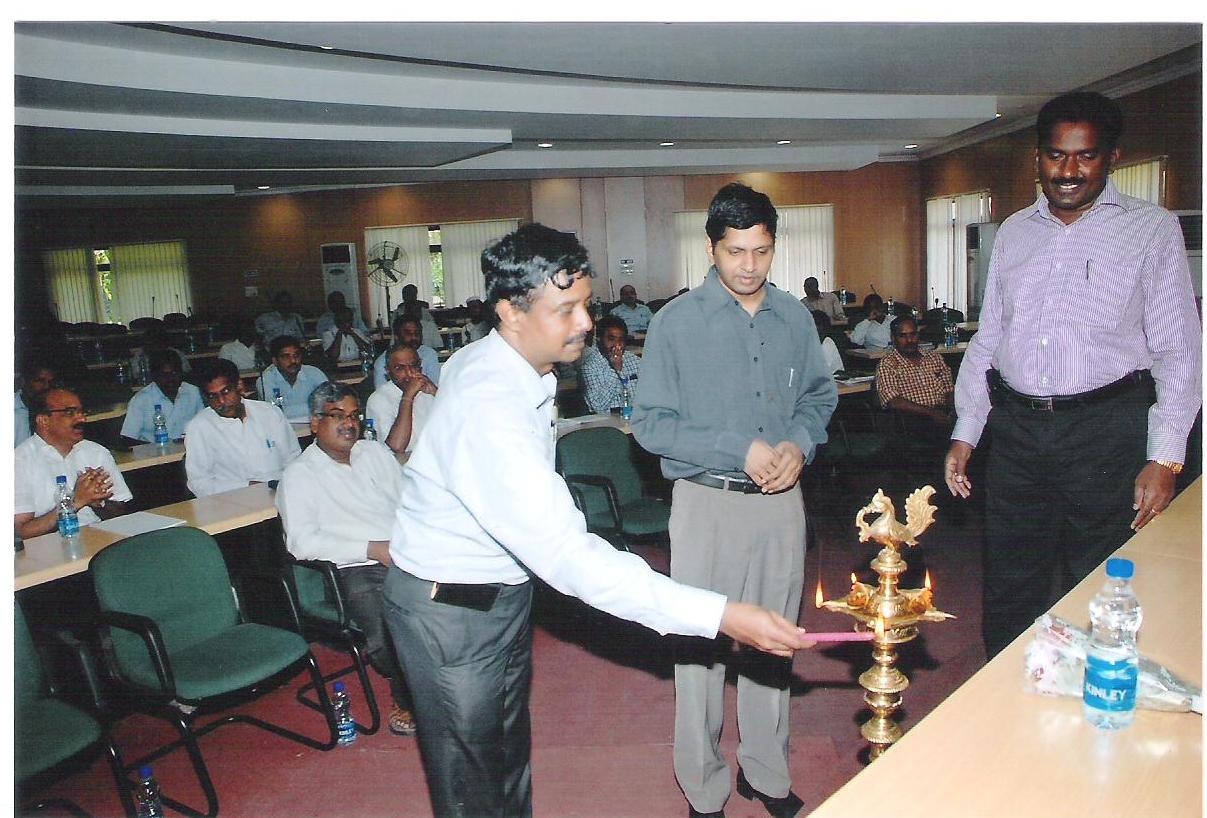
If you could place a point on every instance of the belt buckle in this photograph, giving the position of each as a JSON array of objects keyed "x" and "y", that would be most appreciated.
[{"x": 1040, "y": 404}]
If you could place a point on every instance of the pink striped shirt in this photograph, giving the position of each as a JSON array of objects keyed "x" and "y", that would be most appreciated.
[{"x": 1072, "y": 308}]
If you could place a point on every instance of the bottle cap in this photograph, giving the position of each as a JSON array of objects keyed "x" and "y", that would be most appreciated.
[
  {"x": 159, "y": 407},
  {"x": 144, "y": 772},
  {"x": 1119, "y": 568},
  {"x": 339, "y": 687},
  {"x": 61, "y": 479}
]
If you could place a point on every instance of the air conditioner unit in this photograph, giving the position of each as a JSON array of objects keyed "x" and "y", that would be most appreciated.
[
  {"x": 1191, "y": 222},
  {"x": 340, "y": 273},
  {"x": 979, "y": 246}
]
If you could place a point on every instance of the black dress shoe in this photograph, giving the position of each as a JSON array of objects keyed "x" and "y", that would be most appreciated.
[
  {"x": 692, "y": 812},
  {"x": 785, "y": 807}
]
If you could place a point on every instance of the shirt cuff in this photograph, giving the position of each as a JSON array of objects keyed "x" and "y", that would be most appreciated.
[
  {"x": 968, "y": 430},
  {"x": 1166, "y": 447}
]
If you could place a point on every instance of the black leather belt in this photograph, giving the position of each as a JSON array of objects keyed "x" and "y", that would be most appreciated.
[
  {"x": 1000, "y": 391},
  {"x": 720, "y": 481}
]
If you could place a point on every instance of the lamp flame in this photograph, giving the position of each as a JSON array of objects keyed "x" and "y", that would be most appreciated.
[
  {"x": 817, "y": 599},
  {"x": 926, "y": 580},
  {"x": 854, "y": 579}
]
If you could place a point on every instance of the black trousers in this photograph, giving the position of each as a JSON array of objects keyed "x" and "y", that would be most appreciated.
[
  {"x": 361, "y": 588},
  {"x": 471, "y": 674},
  {"x": 1059, "y": 489}
]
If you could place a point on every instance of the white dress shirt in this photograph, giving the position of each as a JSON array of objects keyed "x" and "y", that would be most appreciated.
[
  {"x": 20, "y": 420},
  {"x": 296, "y": 394},
  {"x": 382, "y": 409},
  {"x": 829, "y": 351},
  {"x": 37, "y": 464},
  {"x": 429, "y": 362},
  {"x": 273, "y": 324},
  {"x": 873, "y": 334},
  {"x": 332, "y": 510},
  {"x": 239, "y": 354},
  {"x": 140, "y": 411},
  {"x": 327, "y": 321},
  {"x": 227, "y": 453},
  {"x": 481, "y": 501},
  {"x": 348, "y": 349}
]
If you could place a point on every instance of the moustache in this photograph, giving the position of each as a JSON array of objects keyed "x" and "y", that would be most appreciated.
[{"x": 581, "y": 338}]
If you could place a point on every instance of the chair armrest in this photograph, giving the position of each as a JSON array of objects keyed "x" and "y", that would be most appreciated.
[
  {"x": 85, "y": 663},
  {"x": 601, "y": 483},
  {"x": 328, "y": 570},
  {"x": 246, "y": 577},
  {"x": 146, "y": 628}
]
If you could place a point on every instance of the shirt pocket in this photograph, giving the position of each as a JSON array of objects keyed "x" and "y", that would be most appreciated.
[{"x": 1101, "y": 291}]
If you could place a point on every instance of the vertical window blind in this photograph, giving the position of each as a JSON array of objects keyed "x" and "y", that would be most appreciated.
[
  {"x": 947, "y": 218},
  {"x": 73, "y": 284},
  {"x": 146, "y": 280},
  {"x": 462, "y": 244},
  {"x": 1143, "y": 180}
]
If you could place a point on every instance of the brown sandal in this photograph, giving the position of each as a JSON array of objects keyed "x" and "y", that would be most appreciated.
[{"x": 401, "y": 722}]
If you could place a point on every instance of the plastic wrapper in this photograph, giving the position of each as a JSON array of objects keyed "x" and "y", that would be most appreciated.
[{"x": 1055, "y": 666}]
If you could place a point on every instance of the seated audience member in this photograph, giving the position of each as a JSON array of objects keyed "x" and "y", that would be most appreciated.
[
  {"x": 605, "y": 363},
  {"x": 873, "y": 331},
  {"x": 829, "y": 349},
  {"x": 234, "y": 442},
  {"x": 37, "y": 377},
  {"x": 400, "y": 407},
  {"x": 281, "y": 320},
  {"x": 336, "y": 302},
  {"x": 155, "y": 340},
  {"x": 916, "y": 384},
  {"x": 636, "y": 316},
  {"x": 58, "y": 447},
  {"x": 409, "y": 330},
  {"x": 479, "y": 323},
  {"x": 411, "y": 305},
  {"x": 344, "y": 342},
  {"x": 294, "y": 379},
  {"x": 824, "y": 302},
  {"x": 178, "y": 400},
  {"x": 241, "y": 351},
  {"x": 337, "y": 503}
]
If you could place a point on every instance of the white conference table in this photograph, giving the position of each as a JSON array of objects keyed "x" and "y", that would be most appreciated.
[
  {"x": 46, "y": 558},
  {"x": 992, "y": 750},
  {"x": 146, "y": 455}
]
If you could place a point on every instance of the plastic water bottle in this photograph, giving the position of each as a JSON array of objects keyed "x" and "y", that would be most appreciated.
[
  {"x": 278, "y": 400},
  {"x": 343, "y": 715},
  {"x": 1112, "y": 658},
  {"x": 370, "y": 429},
  {"x": 69, "y": 521},
  {"x": 161, "y": 426},
  {"x": 843, "y": 295},
  {"x": 626, "y": 399},
  {"x": 891, "y": 307},
  {"x": 147, "y": 803},
  {"x": 121, "y": 373},
  {"x": 366, "y": 362}
]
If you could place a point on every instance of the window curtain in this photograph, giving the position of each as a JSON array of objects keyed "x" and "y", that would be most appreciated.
[
  {"x": 150, "y": 280},
  {"x": 414, "y": 243},
  {"x": 462, "y": 244},
  {"x": 73, "y": 285},
  {"x": 947, "y": 218},
  {"x": 690, "y": 238},
  {"x": 804, "y": 247},
  {"x": 1143, "y": 180}
]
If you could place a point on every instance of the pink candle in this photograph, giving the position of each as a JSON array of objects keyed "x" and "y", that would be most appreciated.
[{"x": 840, "y": 636}]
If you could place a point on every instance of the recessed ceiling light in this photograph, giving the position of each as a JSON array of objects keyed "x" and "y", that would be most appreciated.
[
  {"x": 544, "y": 144},
  {"x": 911, "y": 146},
  {"x": 262, "y": 187},
  {"x": 666, "y": 144},
  {"x": 784, "y": 142},
  {"x": 995, "y": 116}
]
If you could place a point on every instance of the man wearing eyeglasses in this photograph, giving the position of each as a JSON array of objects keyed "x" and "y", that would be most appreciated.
[
  {"x": 234, "y": 442},
  {"x": 58, "y": 447},
  {"x": 400, "y": 407},
  {"x": 337, "y": 503}
]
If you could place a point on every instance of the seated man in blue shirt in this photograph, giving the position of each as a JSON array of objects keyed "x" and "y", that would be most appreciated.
[
  {"x": 178, "y": 401},
  {"x": 37, "y": 377},
  {"x": 873, "y": 331},
  {"x": 636, "y": 316},
  {"x": 409, "y": 330},
  {"x": 289, "y": 377},
  {"x": 607, "y": 367}
]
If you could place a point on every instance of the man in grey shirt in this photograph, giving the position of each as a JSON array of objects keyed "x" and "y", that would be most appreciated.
[{"x": 735, "y": 397}]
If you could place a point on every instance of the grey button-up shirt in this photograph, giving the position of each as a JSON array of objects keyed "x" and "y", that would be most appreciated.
[{"x": 714, "y": 378}]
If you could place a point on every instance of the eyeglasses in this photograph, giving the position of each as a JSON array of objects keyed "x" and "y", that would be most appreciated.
[
  {"x": 69, "y": 411},
  {"x": 340, "y": 416}
]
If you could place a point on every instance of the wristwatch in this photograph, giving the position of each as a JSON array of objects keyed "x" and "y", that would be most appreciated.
[{"x": 1176, "y": 468}]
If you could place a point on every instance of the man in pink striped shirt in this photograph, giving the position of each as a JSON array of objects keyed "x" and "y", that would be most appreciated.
[{"x": 1088, "y": 314}]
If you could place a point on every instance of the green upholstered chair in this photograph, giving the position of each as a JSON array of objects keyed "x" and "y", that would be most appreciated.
[
  {"x": 178, "y": 645},
  {"x": 50, "y": 732},
  {"x": 597, "y": 465},
  {"x": 318, "y": 614}
]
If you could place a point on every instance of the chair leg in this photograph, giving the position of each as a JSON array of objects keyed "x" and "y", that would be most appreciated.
[
  {"x": 316, "y": 679},
  {"x": 113, "y": 756},
  {"x": 360, "y": 667}
]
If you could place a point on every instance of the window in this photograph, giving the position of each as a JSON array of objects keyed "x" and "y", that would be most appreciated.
[
  {"x": 804, "y": 246},
  {"x": 117, "y": 284},
  {"x": 1143, "y": 180},
  {"x": 947, "y": 218}
]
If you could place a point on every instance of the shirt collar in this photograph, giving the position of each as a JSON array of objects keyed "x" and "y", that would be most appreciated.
[
  {"x": 1110, "y": 196},
  {"x": 537, "y": 390},
  {"x": 53, "y": 452}
]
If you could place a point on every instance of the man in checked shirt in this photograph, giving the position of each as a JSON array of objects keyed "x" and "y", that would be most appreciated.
[
  {"x": 1085, "y": 371},
  {"x": 915, "y": 384}
]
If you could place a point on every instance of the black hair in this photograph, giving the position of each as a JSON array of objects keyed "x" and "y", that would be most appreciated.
[
  {"x": 895, "y": 327},
  {"x": 872, "y": 300},
  {"x": 1081, "y": 106},
  {"x": 40, "y": 404},
  {"x": 217, "y": 368},
  {"x": 741, "y": 208},
  {"x": 520, "y": 263},
  {"x": 157, "y": 358},
  {"x": 610, "y": 321},
  {"x": 406, "y": 318},
  {"x": 281, "y": 341},
  {"x": 31, "y": 365}
]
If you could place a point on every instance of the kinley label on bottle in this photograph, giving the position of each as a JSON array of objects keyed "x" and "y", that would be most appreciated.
[{"x": 1110, "y": 686}]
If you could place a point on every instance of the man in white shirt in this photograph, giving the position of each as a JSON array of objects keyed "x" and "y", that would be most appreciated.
[
  {"x": 478, "y": 326},
  {"x": 58, "y": 447},
  {"x": 337, "y": 504},
  {"x": 874, "y": 331},
  {"x": 829, "y": 350},
  {"x": 815, "y": 299},
  {"x": 36, "y": 378},
  {"x": 280, "y": 321},
  {"x": 343, "y": 342},
  {"x": 400, "y": 407},
  {"x": 290, "y": 377},
  {"x": 482, "y": 510},
  {"x": 636, "y": 316},
  {"x": 336, "y": 302},
  {"x": 241, "y": 351},
  {"x": 234, "y": 442},
  {"x": 177, "y": 400},
  {"x": 408, "y": 330}
]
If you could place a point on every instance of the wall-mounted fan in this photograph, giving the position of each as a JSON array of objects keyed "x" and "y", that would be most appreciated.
[{"x": 387, "y": 266}]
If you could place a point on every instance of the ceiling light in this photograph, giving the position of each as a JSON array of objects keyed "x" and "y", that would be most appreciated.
[
  {"x": 784, "y": 142},
  {"x": 544, "y": 144},
  {"x": 995, "y": 116},
  {"x": 666, "y": 144},
  {"x": 262, "y": 187},
  {"x": 911, "y": 146}
]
